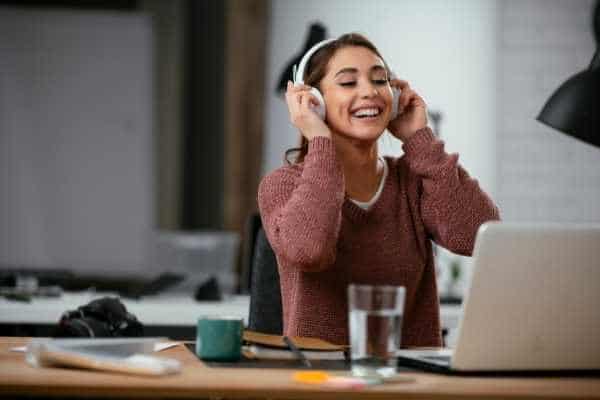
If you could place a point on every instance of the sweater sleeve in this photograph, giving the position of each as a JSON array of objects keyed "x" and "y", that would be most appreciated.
[
  {"x": 302, "y": 214},
  {"x": 453, "y": 206}
]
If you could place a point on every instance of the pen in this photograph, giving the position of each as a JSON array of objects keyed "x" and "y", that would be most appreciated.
[{"x": 297, "y": 352}]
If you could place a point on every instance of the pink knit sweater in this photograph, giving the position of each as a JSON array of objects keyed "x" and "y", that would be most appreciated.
[{"x": 323, "y": 241}]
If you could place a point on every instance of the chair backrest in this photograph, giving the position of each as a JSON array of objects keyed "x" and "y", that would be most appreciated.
[
  {"x": 265, "y": 293},
  {"x": 253, "y": 224}
]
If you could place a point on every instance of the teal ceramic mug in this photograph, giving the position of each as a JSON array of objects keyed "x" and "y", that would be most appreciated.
[{"x": 219, "y": 338}]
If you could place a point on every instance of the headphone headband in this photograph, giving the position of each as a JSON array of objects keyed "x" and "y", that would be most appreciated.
[{"x": 299, "y": 74}]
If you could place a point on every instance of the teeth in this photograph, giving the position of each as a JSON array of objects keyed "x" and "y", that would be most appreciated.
[{"x": 366, "y": 112}]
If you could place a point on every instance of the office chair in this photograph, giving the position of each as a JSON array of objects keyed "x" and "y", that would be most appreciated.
[
  {"x": 253, "y": 224},
  {"x": 265, "y": 293}
]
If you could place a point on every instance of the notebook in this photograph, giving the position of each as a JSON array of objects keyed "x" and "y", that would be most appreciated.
[
  {"x": 532, "y": 305},
  {"x": 265, "y": 346}
]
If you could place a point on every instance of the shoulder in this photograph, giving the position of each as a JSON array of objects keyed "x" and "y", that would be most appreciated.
[
  {"x": 279, "y": 181},
  {"x": 400, "y": 171},
  {"x": 283, "y": 175},
  {"x": 397, "y": 166}
]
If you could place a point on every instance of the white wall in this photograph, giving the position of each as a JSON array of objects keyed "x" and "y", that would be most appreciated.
[
  {"x": 446, "y": 49},
  {"x": 543, "y": 175},
  {"x": 76, "y": 171}
]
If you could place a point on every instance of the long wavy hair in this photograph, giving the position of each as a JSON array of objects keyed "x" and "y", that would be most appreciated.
[{"x": 316, "y": 70}]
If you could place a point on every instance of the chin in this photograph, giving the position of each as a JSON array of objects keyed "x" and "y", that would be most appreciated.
[
  {"x": 367, "y": 136},
  {"x": 366, "y": 133}
]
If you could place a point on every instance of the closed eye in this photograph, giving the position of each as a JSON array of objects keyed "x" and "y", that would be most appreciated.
[{"x": 378, "y": 82}]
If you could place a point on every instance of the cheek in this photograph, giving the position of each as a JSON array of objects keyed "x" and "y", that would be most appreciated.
[
  {"x": 338, "y": 105},
  {"x": 387, "y": 94}
]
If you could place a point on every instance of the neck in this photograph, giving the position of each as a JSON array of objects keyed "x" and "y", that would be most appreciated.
[{"x": 362, "y": 171}]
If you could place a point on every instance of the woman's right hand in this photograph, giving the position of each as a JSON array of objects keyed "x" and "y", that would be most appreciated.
[{"x": 300, "y": 104}]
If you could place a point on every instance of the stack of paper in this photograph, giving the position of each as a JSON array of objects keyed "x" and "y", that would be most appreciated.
[{"x": 126, "y": 355}]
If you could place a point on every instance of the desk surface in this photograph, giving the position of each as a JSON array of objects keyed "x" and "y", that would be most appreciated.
[{"x": 199, "y": 381}]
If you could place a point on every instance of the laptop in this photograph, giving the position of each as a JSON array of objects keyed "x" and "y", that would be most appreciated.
[{"x": 533, "y": 305}]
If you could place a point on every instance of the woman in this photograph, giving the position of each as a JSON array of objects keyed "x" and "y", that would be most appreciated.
[{"x": 341, "y": 214}]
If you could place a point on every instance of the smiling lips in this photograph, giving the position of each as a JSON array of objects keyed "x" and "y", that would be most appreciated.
[{"x": 367, "y": 112}]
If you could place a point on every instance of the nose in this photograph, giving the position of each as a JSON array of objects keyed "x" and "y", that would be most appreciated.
[{"x": 367, "y": 89}]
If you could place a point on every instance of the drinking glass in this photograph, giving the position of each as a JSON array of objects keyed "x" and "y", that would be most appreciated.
[{"x": 375, "y": 319}]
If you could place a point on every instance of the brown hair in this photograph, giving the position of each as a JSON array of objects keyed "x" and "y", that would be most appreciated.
[{"x": 316, "y": 69}]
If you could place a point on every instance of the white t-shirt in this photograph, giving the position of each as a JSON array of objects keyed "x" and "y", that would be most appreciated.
[{"x": 365, "y": 205}]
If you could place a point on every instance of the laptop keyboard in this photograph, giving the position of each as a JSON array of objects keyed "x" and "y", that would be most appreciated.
[{"x": 439, "y": 359}]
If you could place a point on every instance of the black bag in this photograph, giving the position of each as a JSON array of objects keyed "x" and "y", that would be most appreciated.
[{"x": 105, "y": 317}]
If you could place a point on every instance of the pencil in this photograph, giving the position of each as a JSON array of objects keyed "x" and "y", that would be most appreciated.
[{"x": 297, "y": 352}]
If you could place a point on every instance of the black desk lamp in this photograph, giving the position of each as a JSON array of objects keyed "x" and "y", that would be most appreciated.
[
  {"x": 574, "y": 108},
  {"x": 316, "y": 33}
]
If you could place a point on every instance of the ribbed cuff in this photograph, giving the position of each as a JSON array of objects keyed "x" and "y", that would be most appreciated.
[
  {"x": 321, "y": 164},
  {"x": 321, "y": 143},
  {"x": 321, "y": 150},
  {"x": 418, "y": 142}
]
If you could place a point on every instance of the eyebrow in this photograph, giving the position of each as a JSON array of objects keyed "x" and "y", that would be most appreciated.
[{"x": 350, "y": 70}]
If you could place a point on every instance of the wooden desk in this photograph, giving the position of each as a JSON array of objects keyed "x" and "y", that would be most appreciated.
[{"x": 199, "y": 381}]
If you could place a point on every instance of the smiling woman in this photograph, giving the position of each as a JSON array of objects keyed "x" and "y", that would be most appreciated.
[
  {"x": 316, "y": 66},
  {"x": 341, "y": 214}
]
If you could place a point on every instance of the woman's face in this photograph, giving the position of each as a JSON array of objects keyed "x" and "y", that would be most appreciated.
[{"x": 357, "y": 94}]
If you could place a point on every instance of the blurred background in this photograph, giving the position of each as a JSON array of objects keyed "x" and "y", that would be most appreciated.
[{"x": 133, "y": 134}]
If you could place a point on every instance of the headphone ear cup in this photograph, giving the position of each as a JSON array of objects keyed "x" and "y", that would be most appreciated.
[
  {"x": 395, "y": 99},
  {"x": 320, "y": 108}
]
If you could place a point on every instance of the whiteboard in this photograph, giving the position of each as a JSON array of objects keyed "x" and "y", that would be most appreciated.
[{"x": 76, "y": 144}]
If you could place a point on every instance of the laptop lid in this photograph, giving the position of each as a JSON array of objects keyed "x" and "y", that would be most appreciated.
[{"x": 533, "y": 300}]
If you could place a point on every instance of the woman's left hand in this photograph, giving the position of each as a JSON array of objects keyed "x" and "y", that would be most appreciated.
[{"x": 412, "y": 112}]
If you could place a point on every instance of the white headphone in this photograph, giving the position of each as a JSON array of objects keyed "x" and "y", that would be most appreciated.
[{"x": 320, "y": 109}]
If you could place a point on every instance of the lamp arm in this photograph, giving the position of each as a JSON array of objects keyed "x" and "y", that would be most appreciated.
[
  {"x": 595, "y": 64},
  {"x": 596, "y": 28}
]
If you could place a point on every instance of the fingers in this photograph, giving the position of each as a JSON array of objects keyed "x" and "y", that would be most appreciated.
[
  {"x": 296, "y": 88},
  {"x": 301, "y": 106},
  {"x": 290, "y": 100},
  {"x": 405, "y": 99},
  {"x": 308, "y": 101},
  {"x": 399, "y": 83},
  {"x": 294, "y": 94},
  {"x": 408, "y": 97},
  {"x": 299, "y": 98},
  {"x": 304, "y": 100}
]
